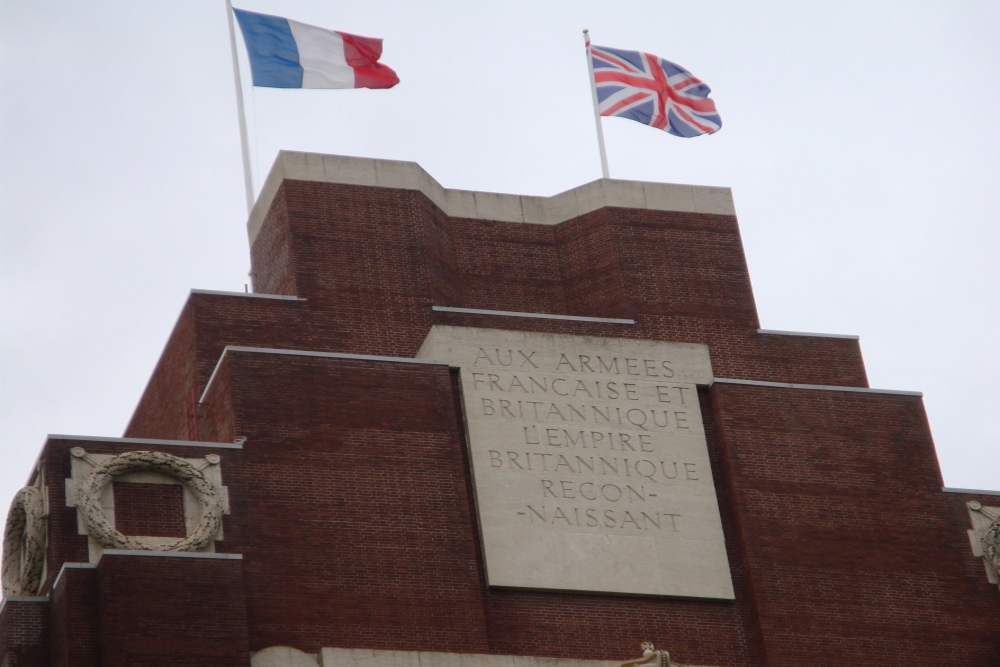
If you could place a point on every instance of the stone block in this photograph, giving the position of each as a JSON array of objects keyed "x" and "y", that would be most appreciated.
[
  {"x": 550, "y": 210},
  {"x": 590, "y": 462},
  {"x": 460, "y": 204},
  {"x": 403, "y": 175},
  {"x": 493, "y": 206},
  {"x": 668, "y": 197},
  {"x": 718, "y": 201},
  {"x": 303, "y": 166},
  {"x": 624, "y": 194},
  {"x": 349, "y": 170},
  {"x": 282, "y": 656}
]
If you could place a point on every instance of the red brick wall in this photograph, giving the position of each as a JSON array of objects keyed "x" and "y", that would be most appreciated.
[
  {"x": 74, "y": 640},
  {"x": 140, "y": 609},
  {"x": 65, "y": 544},
  {"x": 207, "y": 324},
  {"x": 162, "y": 406},
  {"x": 851, "y": 546},
  {"x": 219, "y": 422},
  {"x": 24, "y": 634},
  {"x": 372, "y": 261},
  {"x": 342, "y": 460},
  {"x": 271, "y": 254},
  {"x": 352, "y": 503},
  {"x": 354, "y": 495},
  {"x": 151, "y": 510},
  {"x": 171, "y": 611}
]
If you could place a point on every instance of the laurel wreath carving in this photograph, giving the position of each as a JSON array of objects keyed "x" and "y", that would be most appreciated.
[
  {"x": 24, "y": 544},
  {"x": 207, "y": 493},
  {"x": 991, "y": 545}
]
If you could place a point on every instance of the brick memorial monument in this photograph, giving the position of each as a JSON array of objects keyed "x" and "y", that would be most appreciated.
[{"x": 464, "y": 429}]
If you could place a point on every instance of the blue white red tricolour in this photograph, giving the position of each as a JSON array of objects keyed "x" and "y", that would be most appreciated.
[
  {"x": 653, "y": 91},
  {"x": 288, "y": 54}
]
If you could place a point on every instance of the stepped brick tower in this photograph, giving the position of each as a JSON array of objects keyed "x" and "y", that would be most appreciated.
[{"x": 464, "y": 429}]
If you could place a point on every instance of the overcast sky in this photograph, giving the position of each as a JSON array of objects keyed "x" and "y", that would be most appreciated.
[{"x": 860, "y": 140}]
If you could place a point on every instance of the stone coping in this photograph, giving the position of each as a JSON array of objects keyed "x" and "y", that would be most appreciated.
[
  {"x": 149, "y": 441},
  {"x": 68, "y": 565},
  {"x": 285, "y": 656},
  {"x": 543, "y": 316},
  {"x": 820, "y": 387},
  {"x": 299, "y": 166},
  {"x": 135, "y": 441},
  {"x": 171, "y": 554},
  {"x": 255, "y": 295},
  {"x": 808, "y": 334},
  {"x": 71, "y": 566},
  {"x": 310, "y": 353},
  {"x": 970, "y": 492}
]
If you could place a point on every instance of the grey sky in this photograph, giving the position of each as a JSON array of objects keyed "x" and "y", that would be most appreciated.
[{"x": 859, "y": 139}]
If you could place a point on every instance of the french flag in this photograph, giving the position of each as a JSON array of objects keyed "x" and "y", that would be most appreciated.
[{"x": 289, "y": 54}]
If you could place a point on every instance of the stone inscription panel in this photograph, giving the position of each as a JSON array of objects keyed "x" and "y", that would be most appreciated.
[{"x": 590, "y": 462}]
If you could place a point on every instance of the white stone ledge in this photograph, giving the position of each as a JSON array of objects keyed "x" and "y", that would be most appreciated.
[
  {"x": 311, "y": 353},
  {"x": 170, "y": 554},
  {"x": 254, "y": 295},
  {"x": 293, "y": 165},
  {"x": 820, "y": 387},
  {"x": 123, "y": 552},
  {"x": 775, "y": 332},
  {"x": 148, "y": 441},
  {"x": 340, "y": 657},
  {"x": 284, "y": 656},
  {"x": 543, "y": 316},
  {"x": 71, "y": 566},
  {"x": 972, "y": 492}
]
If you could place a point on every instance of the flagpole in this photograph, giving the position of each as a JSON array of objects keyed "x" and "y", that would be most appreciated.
[
  {"x": 597, "y": 110},
  {"x": 244, "y": 143}
]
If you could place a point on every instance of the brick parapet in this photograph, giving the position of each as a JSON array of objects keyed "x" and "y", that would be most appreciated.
[
  {"x": 354, "y": 487},
  {"x": 209, "y": 322},
  {"x": 65, "y": 544},
  {"x": 357, "y": 490},
  {"x": 161, "y": 410},
  {"x": 847, "y": 532},
  {"x": 352, "y": 503},
  {"x": 195, "y": 605},
  {"x": 75, "y": 617},
  {"x": 371, "y": 262},
  {"x": 24, "y": 632}
]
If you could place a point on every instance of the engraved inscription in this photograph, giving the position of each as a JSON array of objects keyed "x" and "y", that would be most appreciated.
[
  {"x": 622, "y": 421},
  {"x": 579, "y": 447}
]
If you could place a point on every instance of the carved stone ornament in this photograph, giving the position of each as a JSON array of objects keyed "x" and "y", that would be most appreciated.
[
  {"x": 651, "y": 657},
  {"x": 24, "y": 544},
  {"x": 990, "y": 540},
  {"x": 207, "y": 493}
]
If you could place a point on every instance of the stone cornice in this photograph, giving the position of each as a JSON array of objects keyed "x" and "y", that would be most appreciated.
[{"x": 292, "y": 165}]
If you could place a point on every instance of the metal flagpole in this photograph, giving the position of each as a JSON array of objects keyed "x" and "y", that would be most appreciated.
[
  {"x": 597, "y": 110},
  {"x": 244, "y": 144}
]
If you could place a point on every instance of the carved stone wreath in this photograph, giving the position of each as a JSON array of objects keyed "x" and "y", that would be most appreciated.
[
  {"x": 24, "y": 544},
  {"x": 89, "y": 501},
  {"x": 991, "y": 545}
]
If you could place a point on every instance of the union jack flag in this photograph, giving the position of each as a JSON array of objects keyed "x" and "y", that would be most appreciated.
[{"x": 653, "y": 91}]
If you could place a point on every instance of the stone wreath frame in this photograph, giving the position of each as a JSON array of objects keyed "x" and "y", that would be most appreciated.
[
  {"x": 24, "y": 544},
  {"x": 207, "y": 493},
  {"x": 991, "y": 545},
  {"x": 989, "y": 538}
]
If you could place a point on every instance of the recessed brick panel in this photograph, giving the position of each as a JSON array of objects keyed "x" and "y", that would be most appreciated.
[{"x": 151, "y": 510}]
